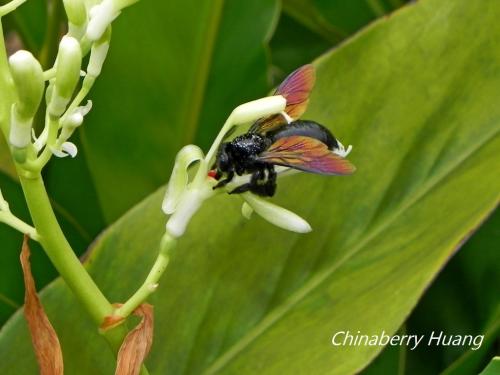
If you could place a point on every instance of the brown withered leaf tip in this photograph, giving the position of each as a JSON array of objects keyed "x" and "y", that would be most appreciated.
[
  {"x": 137, "y": 344},
  {"x": 45, "y": 342}
]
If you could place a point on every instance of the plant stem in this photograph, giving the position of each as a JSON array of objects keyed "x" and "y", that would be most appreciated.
[
  {"x": 19, "y": 225},
  {"x": 9, "y": 7},
  {"x": 6, "y": 87},
  {"x": 64, "y": 259},
  {"x": 49, "y": 233},
  {"x": 167, "y": 244},
  {"x": 59, "y": 250}
]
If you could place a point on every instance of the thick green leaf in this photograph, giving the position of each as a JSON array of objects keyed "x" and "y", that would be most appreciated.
[
  {"x": 293, "y": 45},
  {"x": 473, "y": 360},
  {"x": 175, "y": 70},
  {"x": 335, "y": 20},
  {"x": 493, "y": 368},
  {"x": 392, "y": 360},
  {"x": 457, "y": 303},
  {"x": 245, "y": 297}
]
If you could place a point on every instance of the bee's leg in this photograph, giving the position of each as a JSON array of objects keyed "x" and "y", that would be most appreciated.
[
  {"x": 270, "y": 185},
  {"x": 250, "y": 186},
  {"x": 225, "y": 181}
]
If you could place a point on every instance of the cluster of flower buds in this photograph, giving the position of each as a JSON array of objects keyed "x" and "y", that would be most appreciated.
[
  {"x": 89, "y": 31},
  {"x": 184, "y": 196}
]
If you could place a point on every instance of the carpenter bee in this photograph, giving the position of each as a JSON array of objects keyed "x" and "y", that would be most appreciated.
[{"x": 281, "y": 140}]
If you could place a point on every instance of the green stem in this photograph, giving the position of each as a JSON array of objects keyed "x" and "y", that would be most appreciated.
[
  {"x": 37, "y": 165},
  {"x": 167, "y": 244},
  {"x": 64, "y": 259},
  {"x": 59, "y": 251},
  {"x": 19, "y": 225},
  {"x": 49, "y": 232},
  {"x": 11, "y": 6},
  {"x": 6, "y": 86}
]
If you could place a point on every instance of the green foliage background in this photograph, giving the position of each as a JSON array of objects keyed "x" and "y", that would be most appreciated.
[{"x": 187, "y": 65}]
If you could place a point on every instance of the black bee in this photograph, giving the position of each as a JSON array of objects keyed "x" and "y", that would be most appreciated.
[{"x": 301, "y": 144}]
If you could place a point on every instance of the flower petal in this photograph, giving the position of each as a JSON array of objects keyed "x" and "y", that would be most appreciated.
[
  {"x": 67, "y": 148},
  {"x": 256, "y": 109},
  {"x": 246, "y": 210},
  {"x": 70, "y": 149},
  {"x": 277, "y": 215},
  {"x": 179, "y": 178}
]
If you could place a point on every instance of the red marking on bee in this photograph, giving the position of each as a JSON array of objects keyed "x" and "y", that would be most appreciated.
[{"x": 212, "y": 173}]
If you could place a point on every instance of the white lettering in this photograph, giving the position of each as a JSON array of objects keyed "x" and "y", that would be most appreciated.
[
  {"x": 478, "y": 344},
  {"x": 437, "y": 338},
  {"x": 417, "y": 341},
  {"x": 335, "y": 336}
]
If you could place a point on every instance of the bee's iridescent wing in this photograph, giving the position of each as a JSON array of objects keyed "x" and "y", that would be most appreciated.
[
  {"x": 295, "y": 89},
  {"x": 306, "y": 154}
]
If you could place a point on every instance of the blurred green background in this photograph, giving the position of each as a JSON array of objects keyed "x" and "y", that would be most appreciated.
[{"x": 270, "y": 41}]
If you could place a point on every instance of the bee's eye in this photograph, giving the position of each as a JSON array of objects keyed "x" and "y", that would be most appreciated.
[{"x": 223, "y": 159}]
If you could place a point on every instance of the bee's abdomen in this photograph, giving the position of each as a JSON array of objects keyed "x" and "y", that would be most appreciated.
[{"x": 307, "y": 129}]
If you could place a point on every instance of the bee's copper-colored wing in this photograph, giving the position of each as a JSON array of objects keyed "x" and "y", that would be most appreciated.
[
  {"x": 295, "y": 89},
  {"x": 306, "y": 154}
]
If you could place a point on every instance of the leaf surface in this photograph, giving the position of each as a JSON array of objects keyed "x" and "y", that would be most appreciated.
[{"x": 417, "y": 96}]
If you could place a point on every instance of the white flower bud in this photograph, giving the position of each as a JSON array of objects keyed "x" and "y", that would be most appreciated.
[
  {"x": 179, "y": 178},
  {"x": 101, "y": 16},
  {"x": 67, "y": 148},
  {"x": 28, "y": 79},
  {"x": 69, "y": 60},
  {"x": 256, "y": 109},
  {"x": 76, "y": 12},
  {"x": 246, "y": 210},
  {"x": 74, "y": 119},
  {"x": 189, "y": 202},
  {"x": 277, "y": 215},
  {"x": 20, "y": 129},
  {"x": 98, "y": 54}
]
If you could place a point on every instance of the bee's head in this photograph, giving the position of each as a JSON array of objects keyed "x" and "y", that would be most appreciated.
[{"x": 223, "y": 161}]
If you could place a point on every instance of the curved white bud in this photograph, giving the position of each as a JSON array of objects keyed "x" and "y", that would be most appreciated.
[
  {"x": 179, "y": 178},
  {"x": 277, "y": 215},
  {"x": 101, "y": 16},
  {"x": 246, "y": 210},
  {"x": 256, "y": 109},
  {"x": 69, "y": 60},
  {"x": 190, "y": 201},
  {"x": 67, "y": 148}
]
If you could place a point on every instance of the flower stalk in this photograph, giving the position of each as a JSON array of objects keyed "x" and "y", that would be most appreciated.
[
  {"x": 21, "y": 89},
  {"x": 183, "y": 198}
]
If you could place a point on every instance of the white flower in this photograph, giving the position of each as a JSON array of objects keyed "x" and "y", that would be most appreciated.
[
  {"x": 275, "y": 214},
  {"x": 67, "y": 148}
]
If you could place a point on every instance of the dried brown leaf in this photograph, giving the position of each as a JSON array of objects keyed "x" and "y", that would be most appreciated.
[
  {"x": 136, "y": 346},
  {"x": 45, "y": 342}
]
